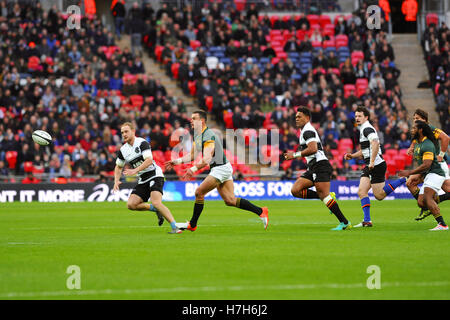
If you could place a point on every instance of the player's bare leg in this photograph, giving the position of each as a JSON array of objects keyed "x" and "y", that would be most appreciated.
[
  {"x": 210, "y": 183},
  {"x": 136, "y": 203},
  {"x": 300, "y": 189},
  {"x": 226, "y": 191},
  {"x": 427, "y": 200},
  {"x": 412, "y": 184},
  {"x": 156, "y": 199}
]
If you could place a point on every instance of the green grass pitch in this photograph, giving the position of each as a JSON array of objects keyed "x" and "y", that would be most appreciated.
[{"x": 125, "y": 255}]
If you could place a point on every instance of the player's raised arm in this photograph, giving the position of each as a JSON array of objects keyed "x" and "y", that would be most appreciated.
[
  {"x": 186, "y": 158},
  {"x": 356, "y": 155},
  {"x": 206, "y": 158},
  {"x": 444, "y": 139}
]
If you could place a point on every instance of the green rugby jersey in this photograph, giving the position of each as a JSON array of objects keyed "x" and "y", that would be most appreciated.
[
  {"x": 436, "y": 132},
  {"x": 426, "y": 150},
  {"x": 206, "y": 138}
]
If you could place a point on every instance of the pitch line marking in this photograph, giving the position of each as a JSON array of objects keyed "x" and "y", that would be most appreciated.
[
  {"x": 147, "y": 227},
  {"x": 212, "y": 289}
]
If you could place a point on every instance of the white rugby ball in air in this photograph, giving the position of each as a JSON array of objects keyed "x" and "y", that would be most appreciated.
[{"x": 41, "y": 137}]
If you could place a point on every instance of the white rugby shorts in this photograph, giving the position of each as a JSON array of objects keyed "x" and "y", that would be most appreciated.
[{"x": 223, "y": 172}]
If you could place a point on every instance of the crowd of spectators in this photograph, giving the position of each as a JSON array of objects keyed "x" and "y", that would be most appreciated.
[
  {"x": 252, "y": 86},
  {"x": 81, "y": 85},
  {"x": 436, "y": 47},
  {"x": 77, "y": 85}
]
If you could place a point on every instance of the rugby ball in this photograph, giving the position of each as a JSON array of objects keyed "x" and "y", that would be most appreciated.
[{"x": 41, "y": 137}]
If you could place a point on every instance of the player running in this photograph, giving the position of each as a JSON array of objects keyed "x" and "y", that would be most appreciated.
[
  {"x": 319, "y": 169},
  {"x": 416, "y": 179},
  {"x": 373, "y": 175},
  {"x": 220, "y": 176},
  {"x": 425, "y": 152},
  {"x": 136, "y": 151}
]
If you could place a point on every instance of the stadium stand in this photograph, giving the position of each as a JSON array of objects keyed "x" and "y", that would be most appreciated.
[
  {"x": 248, "y": 69},
  {"x": 436, "y": 48},
  {"x": 285, "y": 61}
]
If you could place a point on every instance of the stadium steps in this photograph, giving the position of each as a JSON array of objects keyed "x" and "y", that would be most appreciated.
[
  {"x": 409, "y": 59},
  {"x": 159, "y": 73}
]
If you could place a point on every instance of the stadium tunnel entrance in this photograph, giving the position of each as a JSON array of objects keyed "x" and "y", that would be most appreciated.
[{"x": 399, "y": 19}]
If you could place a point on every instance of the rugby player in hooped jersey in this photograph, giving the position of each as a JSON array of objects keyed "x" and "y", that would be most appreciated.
[
  {"x": 373, "y": 175},
  {"x": 137, "y": 152},
  {"x": 319, "y": 169}
]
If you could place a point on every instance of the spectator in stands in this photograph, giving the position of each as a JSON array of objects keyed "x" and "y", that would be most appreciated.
[
  {"x": 136, "y": 27},
  {"x": 119, "y": 13}
]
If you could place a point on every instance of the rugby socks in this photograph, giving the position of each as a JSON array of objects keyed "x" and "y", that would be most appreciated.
[
  {"x": 390, "y": 187},
  {"x": 440, "y": 220},
  {"x": 173, "y": 225},
  {"x": 365, "y": 205},
  {"x": 309, "y": 194},
  {"x": 443, "y": 197},
  {"x": 198, "y": 208},
  {"x": 334, "y": 207},
  {"x": 152, "y": 208},
  {"x": 415, "y": 193},
  {"x": 247, "y": 205}
]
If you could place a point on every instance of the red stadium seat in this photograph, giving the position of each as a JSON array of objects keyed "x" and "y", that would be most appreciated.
[
  {"x": 391, "y": 153},
  {"x": 316, "y": 44},
  {"x": 324, "y": 20},
  {"x": 209, "y": 103},
  {"x": 137, "y": 100},
  {"x": 273, "y": 20},
  {"x": 329, "y": 44},
  {"x": 356, "y": 56},
  {"x": 192, "y": 87},
  {"x": 158, "y": 52},
  {"x": 112, "y": 149},
  {"x": 432, "y": 18},
  {"x": 399, "y": 162},
  {"x": 228, "y": 119},
  {"x": 174, "y": 68},
  {"x": 195, "y": 44},
  {"x": 240, "y": 4},
  {"x": 342, "y": 38},
  {"x": 11, "y": 159},
  {"x": 300, "y": 34},
  {"x": 328, "y": 30},
  {"x": 313, "y": 19},
  {"x": 274, "y": 32},
  {"x": 347, "y": 90}
]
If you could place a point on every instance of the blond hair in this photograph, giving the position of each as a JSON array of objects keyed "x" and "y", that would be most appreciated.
[{"x": 128, "y": 124}]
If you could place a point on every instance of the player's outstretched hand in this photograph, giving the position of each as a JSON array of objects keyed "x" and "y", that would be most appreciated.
[
  {"x": 403, "y": 173},
  {"x": 288, "y": 155},
  {"x": 168, "y": 165},
  {"x": 348, "y": 156},
  {"x": 188, "y": 175},
  {"x": 116, "y": 186},
  {"x": 129, "y": 172},
  {"x": 410, "y": 151}
]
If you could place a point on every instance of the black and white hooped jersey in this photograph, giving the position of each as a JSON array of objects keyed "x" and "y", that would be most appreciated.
[
  {"x": 135, "y": 155},
  {"x": 367, "y": 133},
  {"x": 308, "y": 135}
]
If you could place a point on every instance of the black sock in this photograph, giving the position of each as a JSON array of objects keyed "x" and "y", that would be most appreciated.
[
  {"x": 198, "y": 208},
  {"x": 309, "y": 194},
  {"x": 441, "y": 221},
  {"x": 247, "y": 205},
  {"x": 334, "y": 207},
  {"x": 415, "y": 193},
  {"x": 444, "y": 197}
]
